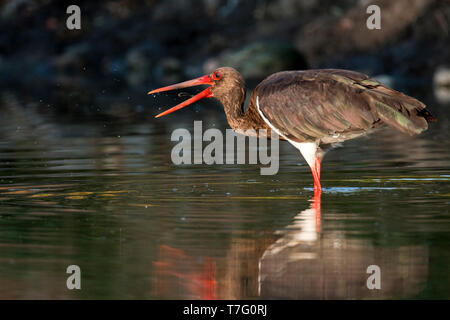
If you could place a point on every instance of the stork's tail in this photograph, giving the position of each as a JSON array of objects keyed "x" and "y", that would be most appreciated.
[
  {"x": 427, "y": 115},
  {"x": 400, "y": 111}
]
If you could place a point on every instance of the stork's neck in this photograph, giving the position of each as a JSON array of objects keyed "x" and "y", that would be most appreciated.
[
  {"x": 238, "y": 119},
  {"x": 233, "y": 104}
]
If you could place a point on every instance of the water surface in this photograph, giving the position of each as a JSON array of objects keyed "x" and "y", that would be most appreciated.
[{"x": 103, "y": 194}]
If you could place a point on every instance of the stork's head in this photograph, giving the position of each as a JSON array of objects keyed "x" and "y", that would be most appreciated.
[{"x": 225, "y": 83}]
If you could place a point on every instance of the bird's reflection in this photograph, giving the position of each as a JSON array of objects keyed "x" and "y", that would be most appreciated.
[
  {"x": 309, "y": 259},
  {"x": 177, "y": 271},
  {"x": 308, "y": 263}
]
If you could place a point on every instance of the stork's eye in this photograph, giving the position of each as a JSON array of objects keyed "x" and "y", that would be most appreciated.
[{"x": 217, "y": 75}]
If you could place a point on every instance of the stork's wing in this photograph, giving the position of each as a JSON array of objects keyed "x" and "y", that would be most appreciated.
[{"x": 313, "y": 104}]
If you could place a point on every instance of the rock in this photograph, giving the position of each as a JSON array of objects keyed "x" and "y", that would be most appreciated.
[
  {"x": 73, "y": 58},
  {"x": 168, "y": 10},
  {"x": 114, "y": 66},
  {"x": 168, "y": 70},
  {"x": 15, "y": 7},
  {"x": 282, "y": 9},
  {"x": 138, "y": 66},
  {"x": 328, "y": 38},
  {"x": 259, "y": 59},
  {"x": 442, "y": 77},
  {"x": 441, "y": 84}
]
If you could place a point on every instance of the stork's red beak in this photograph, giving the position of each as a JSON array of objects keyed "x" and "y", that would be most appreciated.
[{"x": 207, "y": 93}]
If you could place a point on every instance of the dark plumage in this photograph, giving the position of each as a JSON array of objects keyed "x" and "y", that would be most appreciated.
[{"x": 316, "y": 104}]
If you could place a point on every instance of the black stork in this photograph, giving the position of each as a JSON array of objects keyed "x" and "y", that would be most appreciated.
[{"x": 313, "y": 109}]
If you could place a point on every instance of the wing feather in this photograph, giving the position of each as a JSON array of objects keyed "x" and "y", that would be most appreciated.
[{"x": 314, "y": 104}]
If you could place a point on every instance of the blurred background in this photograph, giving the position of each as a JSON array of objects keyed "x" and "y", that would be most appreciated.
[
  {"x": 86, "y": 176},
  {"x": 125, "y": 48}
]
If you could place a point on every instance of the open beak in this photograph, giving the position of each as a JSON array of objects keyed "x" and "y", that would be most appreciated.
[{"x": 207, "y": 93}]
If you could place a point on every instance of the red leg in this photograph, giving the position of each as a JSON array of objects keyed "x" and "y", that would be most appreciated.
[
  {"x": 316, "y": 175},
  {"x": 318, "y": 167},
  {"x": 317, "y": 202}
]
